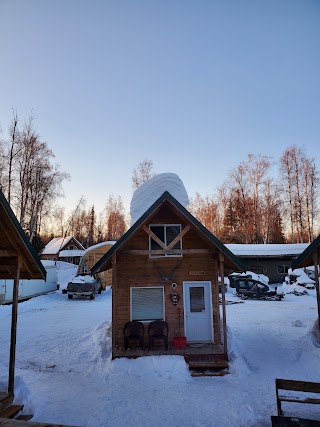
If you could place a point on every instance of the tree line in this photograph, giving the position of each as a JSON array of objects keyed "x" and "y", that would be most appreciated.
[{"x": 251, "y": 206}]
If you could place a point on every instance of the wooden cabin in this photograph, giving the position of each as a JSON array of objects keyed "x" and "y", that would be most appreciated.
[
  {"x": 67, "y": 249},
  {"x": 166, "y": 267},
  {"x": 18, "y": 260}
]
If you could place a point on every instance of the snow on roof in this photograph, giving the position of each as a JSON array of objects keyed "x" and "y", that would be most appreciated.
[
  {"x": 267, "y": 250},
  {"x": 70, "y": 253},
  {"x": 54, "y": 245},
  {"x": 99, "y": 245},
  {"x": 151, "y": 190}
]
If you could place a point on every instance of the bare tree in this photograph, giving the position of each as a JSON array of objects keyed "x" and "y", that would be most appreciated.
[
  {"x": 300, "y": 182},
  {"x": 206, "y": 210},
  {"x": 58, "y": 216},
  {"x": 39, "y": 181},
  {"x": 310, "y": 185},
  {"x": 116, "y": 224},
  {"x": 3, "y": 165},
  {"x": 257, "y": 168},
  {"x": 142, "y": 173},
  {"x": 14, "y": 148},
  {"x": 247, "y": 215}
]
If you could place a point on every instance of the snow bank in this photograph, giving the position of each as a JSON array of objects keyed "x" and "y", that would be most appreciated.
[
  {"x": 64, "y": 361},
  {"x": 299, "y": 277},
  {"x": 151, "y": 190},
  {"x": 66, "y": 272}
]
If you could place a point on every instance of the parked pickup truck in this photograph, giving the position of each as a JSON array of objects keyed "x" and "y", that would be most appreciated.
[{"x": 84, "y": 286}]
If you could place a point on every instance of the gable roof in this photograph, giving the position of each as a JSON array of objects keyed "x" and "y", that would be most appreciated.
[
  {"x": 306, "y": 258},
  {"x": 13, "y": 241},
  {"x": 102, "y": 264},
  {"x": 58, "y": 243},
  {"x": 267, "y": 250}
]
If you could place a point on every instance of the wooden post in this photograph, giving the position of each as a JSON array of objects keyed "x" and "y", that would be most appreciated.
[
  {"x": 14, "y": 319},
  {"x": 224, "y": 318},
  {"x": 316, "y": 278},
  {"x": 114, "y": 305},
  {"x": 215, "y": 302}
]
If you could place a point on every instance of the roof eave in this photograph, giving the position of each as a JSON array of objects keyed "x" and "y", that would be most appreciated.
[{"x": 104, "y": 261}]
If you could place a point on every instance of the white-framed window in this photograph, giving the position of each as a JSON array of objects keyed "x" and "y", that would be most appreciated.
[
  {"x": 166, "y": 233},
  {"x": 283, "y": 269},
  {"x": 147, "y": 303}
]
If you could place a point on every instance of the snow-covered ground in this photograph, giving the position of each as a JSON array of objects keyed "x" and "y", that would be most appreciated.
[{"x": 64, "y": 372}]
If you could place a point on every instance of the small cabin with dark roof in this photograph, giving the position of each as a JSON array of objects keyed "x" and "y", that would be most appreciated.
[
  {"x": 166, "y": 267},
  {"x": 272, "y": 260},
  {"x": 18, "y": 260},
  {"x": 67, "y": 249}
]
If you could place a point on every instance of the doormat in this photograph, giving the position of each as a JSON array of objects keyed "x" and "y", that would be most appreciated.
[{"x": 199, "y": 345}]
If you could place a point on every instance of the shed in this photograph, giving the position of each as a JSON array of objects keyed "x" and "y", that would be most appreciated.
[
  {"x": 18, "y": 260},
  {"x": 272, "y": 260},
  {"x": 166, "y": 267},
  {"x": 311, "y": 257},
  {"x": 91, "y": 256}
]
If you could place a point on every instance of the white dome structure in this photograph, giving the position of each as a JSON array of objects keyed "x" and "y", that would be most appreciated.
[{"x": 151, "y": 190}]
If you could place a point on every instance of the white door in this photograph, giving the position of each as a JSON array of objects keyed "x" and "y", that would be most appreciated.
[{"x": 198, "y": 311}]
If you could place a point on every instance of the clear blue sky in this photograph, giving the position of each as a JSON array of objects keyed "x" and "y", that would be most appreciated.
[{"x": 193, "y": 85}]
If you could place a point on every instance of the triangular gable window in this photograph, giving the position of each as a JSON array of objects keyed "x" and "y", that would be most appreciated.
[{"x": 166, "y": 233}]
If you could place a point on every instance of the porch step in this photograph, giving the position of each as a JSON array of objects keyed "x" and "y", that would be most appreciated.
[
  {"x": 11, "y": 411},
  {"x": 208, "y": 364},
  {"x": 208, "y": 373},
  {"x": 24, "y": 417},
  {"x": 208, "y": 368},
  {"x": 5, "y": 400}
]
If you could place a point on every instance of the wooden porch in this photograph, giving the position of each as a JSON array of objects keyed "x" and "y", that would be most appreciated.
[
  {"x": 5, "y": 400},
  {"x": 191, "y": 350},
  {"x": 202, "y": 359}
]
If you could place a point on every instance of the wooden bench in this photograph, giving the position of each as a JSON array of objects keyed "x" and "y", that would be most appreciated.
[{"x": 298, "y": 386}]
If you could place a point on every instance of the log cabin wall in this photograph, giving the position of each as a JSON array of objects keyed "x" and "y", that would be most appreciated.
[{"x": 136, "y": 270}]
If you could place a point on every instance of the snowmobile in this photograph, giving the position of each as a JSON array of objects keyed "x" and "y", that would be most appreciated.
[{"x": 254, "y": 289}]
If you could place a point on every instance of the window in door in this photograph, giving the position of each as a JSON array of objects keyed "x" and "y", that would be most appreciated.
[{"x": 197, "y": 304}]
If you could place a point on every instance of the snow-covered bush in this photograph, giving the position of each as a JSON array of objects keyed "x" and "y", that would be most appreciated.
[{"x": 299, "y": 277}]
